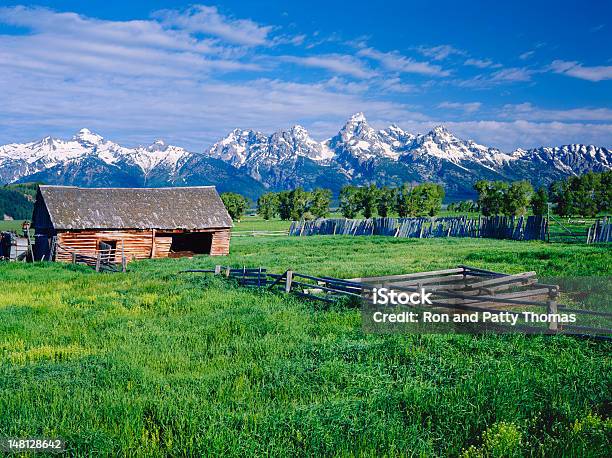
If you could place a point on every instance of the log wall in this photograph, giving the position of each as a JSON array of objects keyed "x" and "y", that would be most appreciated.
[
  {"x": 138, "y": 244},
  {"x": 220, "y": 243}
]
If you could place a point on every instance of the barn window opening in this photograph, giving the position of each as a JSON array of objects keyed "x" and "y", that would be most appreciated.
[{"x": 190, "y": 243}]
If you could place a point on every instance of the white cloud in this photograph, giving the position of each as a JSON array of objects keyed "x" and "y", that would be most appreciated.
[
  {"x": 338, "y": 63},
  {"x": 191, "y": 80},
  {"x": 395, "y": 84},
  {"x": 530, "y": 112},
  {"x": 481, "y": 63},
  {"x": 504, "y": 76},
  {"x": 577, "y": 70},
  {"x": 396, "y": 62},
  {"x": 526, "y": 55},
  {"x": 512, "y": 75},
  {"x": 527, "y": 134},
  {"x": 440, "y": 52},
  {"x": 509, "y": 135},
  {"x": 469, "y": 107},
  {"x": 208, "y": 20}
]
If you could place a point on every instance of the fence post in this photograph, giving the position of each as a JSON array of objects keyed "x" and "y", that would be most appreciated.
[
  {"x": 53, "y": 248},
  {"x": 123, "y": 264},
  {"x": 288, "y": 281},
  {"x": 228, "y": 271},
  {"x": 74, "y": 257},
  {"x": 98, "y": 259},
  {"x": 217, "y": 270},
  {"x": 551, "y": 308}
]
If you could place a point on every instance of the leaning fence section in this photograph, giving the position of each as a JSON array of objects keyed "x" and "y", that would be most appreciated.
[
  {"x": 601, "y": 231},
  {"x": 100, "y": 260},
  {"x": 463, "y": 289},
  {"x": 499, "y": 227}
]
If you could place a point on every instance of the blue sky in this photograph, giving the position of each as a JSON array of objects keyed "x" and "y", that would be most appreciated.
[{"x": 523, "y": 74}]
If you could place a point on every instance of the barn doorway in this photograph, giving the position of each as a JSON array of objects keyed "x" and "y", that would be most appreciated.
[
  {"x": 108, "y": 249},
  {"x": 190, "y": 243}
]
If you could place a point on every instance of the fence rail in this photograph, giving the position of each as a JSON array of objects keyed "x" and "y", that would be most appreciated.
[
  {"x": 100, "y": 260},
  {"x": 462, "y": 289},
  {"x": 500, "y": 227}
]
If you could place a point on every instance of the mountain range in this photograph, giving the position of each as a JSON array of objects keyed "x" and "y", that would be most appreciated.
[{"x": 251, "y": 162}]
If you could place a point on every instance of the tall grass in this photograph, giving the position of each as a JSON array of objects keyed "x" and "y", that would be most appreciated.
[{"x": 155, "y": 363}]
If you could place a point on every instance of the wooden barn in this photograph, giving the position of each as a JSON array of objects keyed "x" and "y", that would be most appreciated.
[{"x": 132, "y": 222}]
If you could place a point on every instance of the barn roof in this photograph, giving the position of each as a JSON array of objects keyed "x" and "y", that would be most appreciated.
[{"x": 198, "y": 207}]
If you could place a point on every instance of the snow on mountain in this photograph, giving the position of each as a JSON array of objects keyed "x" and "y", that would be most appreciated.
[
  {"x": 572, "y": 159},
  {"x": 442, "y": 144},
  {"x": 29, "y": 158},
  {"x": 357, "y": 154},
  {"x": 87, "y": 137},
  {"x": 241, "y": 147},
  {"x": 358, "y": 140}
]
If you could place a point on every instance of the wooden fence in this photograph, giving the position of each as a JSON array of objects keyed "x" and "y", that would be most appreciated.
[
  {"x": 100, "y": 260},
  {"x": 499, "y": 227},
  {"x": 461, "y": 290},
  {"x": 261, "y": 233},
  {"x": 601, "y": 231},
  {"x": 14, "y": 247}
]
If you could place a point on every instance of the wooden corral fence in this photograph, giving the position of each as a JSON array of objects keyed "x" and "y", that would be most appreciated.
[
  {"x": 14, "y": 247},
  {"x": 499, "y": 227},
  {"x": 601, "y": 231},
  {"x": 259, "y": 233},
  {"x": 100, "y": 260},
  {"x": 461, "y": 290}
]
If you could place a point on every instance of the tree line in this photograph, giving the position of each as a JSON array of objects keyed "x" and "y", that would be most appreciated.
[
  {"x": 293, "y": 204},
  {"x": 368, "y": 201},
  {"x": 407, "y": 200},
  {"x": 584, "y": 195}
]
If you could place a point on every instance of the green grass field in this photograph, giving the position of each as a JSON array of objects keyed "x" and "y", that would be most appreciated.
[
  {"x": 155, "y": 363},
  {"x": 11, "y": 225}
]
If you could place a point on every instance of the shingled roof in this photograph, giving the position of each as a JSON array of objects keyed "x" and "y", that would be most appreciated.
[{"x": 198, "y": 207}]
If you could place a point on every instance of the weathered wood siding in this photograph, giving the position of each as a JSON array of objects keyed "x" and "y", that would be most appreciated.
[
  {"x": 135, "y": 244},
  {"x": 220, "y": 243},
  {"x": 139, "y": 244}
]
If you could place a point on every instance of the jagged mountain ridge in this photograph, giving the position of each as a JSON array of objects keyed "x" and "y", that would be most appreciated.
[
  {"x": 248, "y": 161},
  {"x": 360, "y": 154},
  {"x": 87, "y": 159}
]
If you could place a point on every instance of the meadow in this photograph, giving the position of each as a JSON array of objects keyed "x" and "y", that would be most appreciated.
[{"x": 157, "y": 363}]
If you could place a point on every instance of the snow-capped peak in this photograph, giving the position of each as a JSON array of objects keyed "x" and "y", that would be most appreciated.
[
  {"x": 87, "y": 136},
  {"x": 157, "y": 145},
  {"x": 358, "y": 117},
  {"x": 440, "y": 130}
]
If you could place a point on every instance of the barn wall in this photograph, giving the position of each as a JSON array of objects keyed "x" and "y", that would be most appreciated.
[
  {"x": 220, "y": 243},
  {"x": 140, "y": 244},
  {"x": 131, "y": 243},
  {"x": 43, "y": 229}
]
